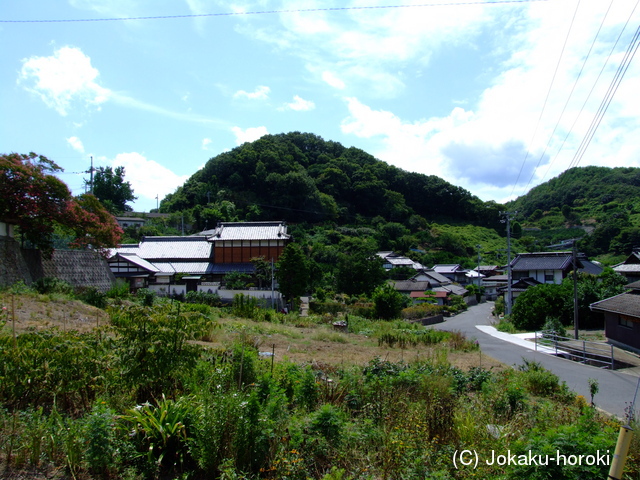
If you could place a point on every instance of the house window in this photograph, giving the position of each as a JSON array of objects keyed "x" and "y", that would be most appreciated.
[
  {"x": 549, "y": 277},
  {"x": 625, "y": 322}
]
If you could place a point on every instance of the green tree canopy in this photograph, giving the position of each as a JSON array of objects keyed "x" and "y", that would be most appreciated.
[
  {"x": 388, "y": 302},
  {"x": 292, "y": 272},
  {"x": 359, "y": 269},
  {"x": 111, "y": 189}
]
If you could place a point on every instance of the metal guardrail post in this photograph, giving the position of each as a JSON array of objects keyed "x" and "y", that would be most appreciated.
[
  {"x": 555, "y": 342},
  {"x": 584, "y": 352},
  {"x": 613, "y": 363},
  {"x": 536, "y": 341}
]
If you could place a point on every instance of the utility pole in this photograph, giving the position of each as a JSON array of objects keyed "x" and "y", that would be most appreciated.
[
  {"x": 575, "y": 290},
  {"x": 574, "y": 263},
  {"x": 508, "y": 216},
  {"x": 157, "y": 203},
  {"x": 90, "y": 172},
  {"x": 479, "y": 247}
]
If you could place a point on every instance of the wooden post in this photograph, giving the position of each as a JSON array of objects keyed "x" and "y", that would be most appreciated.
[
  {"x": 13, "y": 319},
  {"x": 620, "y": 455},
  {"x": 273, "y": 356}
]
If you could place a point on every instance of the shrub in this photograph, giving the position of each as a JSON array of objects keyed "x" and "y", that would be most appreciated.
[
  {"x": 423, "y": 310},
  {"x": 388, "y": 302},
  {"x": 554, "y": 324},
  {"x": 146, "y": 297},
  {"x": 92, "y": 296},
  {"x": 204, "y": 298},
  {"x": 47, "y": 285},
  {"x": 504, "y": 325},
  {"x": 154, "y": 348},
  {"x": 328, "y": 421},
  {"x": 332, "y": 308},
  {"x": 101, "y": 451},
  {"x": 120, "y": 289},
  {"x": 538, "y": 380}
]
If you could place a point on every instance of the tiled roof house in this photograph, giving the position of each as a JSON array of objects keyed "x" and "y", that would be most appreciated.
[
  {"x": 622, "y": 317},
  {"x": 206, "y": 256}
]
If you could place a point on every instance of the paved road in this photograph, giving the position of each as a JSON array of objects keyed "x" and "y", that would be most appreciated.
[{"x": 616, "y": 389}]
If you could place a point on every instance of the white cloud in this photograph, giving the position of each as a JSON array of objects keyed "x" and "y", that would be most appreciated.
[
  {"x": 371, "y": 45},
  {"x": 205, "y": 143},
  {"x": 63, "y": 79},
  {"x": 512, "y": 137},
  {"x": 299, "y": 104},
  {"x": 248, "y": 135},
  {"x": 260, "y": 93},
  {"x": 147, "y": 177},
  {"x": 76, "y": 144},
  {"x": 333, "y": 80},
  {"x": 67, "y": 78}
]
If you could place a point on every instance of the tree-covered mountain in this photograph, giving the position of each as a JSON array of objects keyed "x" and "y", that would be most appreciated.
[
  {"x": 599, "y": 204},
  {"x": 585, "y": 189},
  {"x": 334, "y": 193},
  {"x": 300, "y": 177}
]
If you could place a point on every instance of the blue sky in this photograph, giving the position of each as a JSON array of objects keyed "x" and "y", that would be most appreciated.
[{"x": 495, "y": 97}]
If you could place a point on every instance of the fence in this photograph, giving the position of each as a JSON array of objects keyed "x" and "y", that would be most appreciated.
[{"x": 583, "y": 351}]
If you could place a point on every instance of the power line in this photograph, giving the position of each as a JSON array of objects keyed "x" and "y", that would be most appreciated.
[
  {"x": 575, "y": 83},
  {"x": 544, "y": 105},
  {"x": 271, "y": 12},
  {"x": 606, "y": 101}
]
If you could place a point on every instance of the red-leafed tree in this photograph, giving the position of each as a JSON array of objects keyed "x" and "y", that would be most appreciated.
[
  {"x": 93, "y": 226},
  {"x": 36, "y": 201}
]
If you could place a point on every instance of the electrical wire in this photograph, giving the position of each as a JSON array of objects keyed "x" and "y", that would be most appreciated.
[
  {"x": 575, "y": 83},
  {"x": 613, "y": 48},
  {"x": 271, "y": 12},
  {"x": 544, "y": 105},
  {"x": 606, "y": 101}
]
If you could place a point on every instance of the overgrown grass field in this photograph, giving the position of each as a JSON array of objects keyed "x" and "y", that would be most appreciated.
[{"x": 187, "y": 390}]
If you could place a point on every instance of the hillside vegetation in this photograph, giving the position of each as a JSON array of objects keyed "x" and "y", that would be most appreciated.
[
  {"x": 300, "y": 177},
  {"x": 183, "y": 390},
  {"x": 329, "y": 193},
  {"x": 598, "y": 204}
]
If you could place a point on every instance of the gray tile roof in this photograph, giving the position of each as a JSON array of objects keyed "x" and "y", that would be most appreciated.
[
  {"x": 169, "y": 248},
  {"x": 627, "y": 268},
  {"x": 448, "y": 268},
  {"x": 542, "y": 261},
  {"x": 248, "y": 231},
  {"x": 625, "y": 304},
  {"x": 412, "y": 286}
]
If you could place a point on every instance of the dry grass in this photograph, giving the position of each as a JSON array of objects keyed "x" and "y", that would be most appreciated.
[
  {"x": 309, "y": 344},
  {"x": 44, "y": 311}
]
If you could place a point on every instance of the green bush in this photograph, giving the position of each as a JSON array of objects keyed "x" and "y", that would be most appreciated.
[
  {"x": 388, "y": 302},
  {"x": 92, "y": 296},
  {"x": 582, "y": 438},
  {"x": 47, "y": 285},
  {"x": 204, "y": 298},
  {"x": 328, "y": 421},
  {"x": 423, "y": 310},
  {"x": 146, "y": 297},
  {"x": 120, "y": 289}
]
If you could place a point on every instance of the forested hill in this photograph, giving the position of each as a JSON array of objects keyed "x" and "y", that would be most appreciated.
[
  {"x": 299, "y": 177},
  {"x": 585, "y": 190}
]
